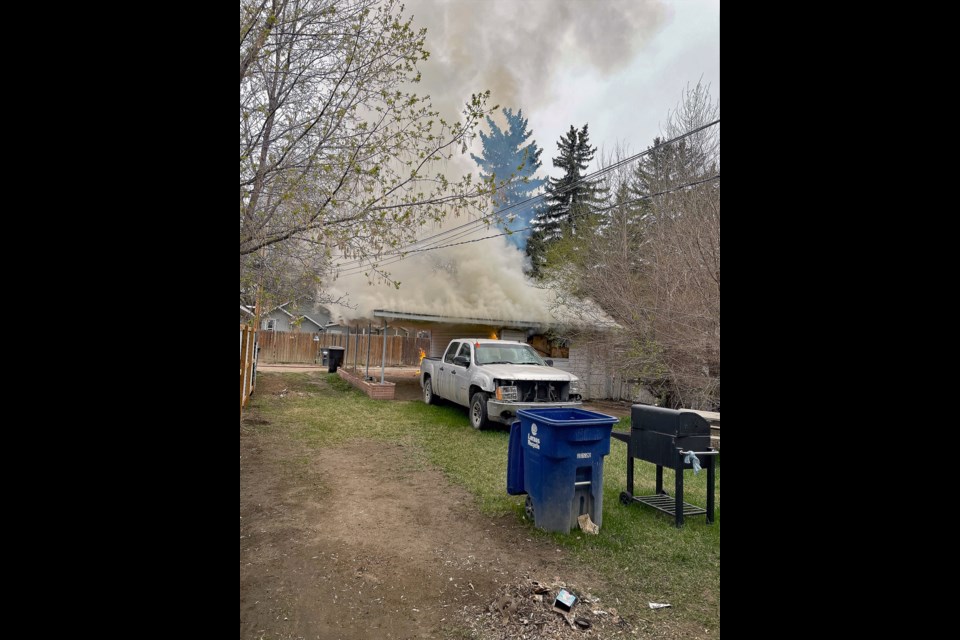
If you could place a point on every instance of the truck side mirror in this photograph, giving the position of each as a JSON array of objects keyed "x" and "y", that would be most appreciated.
[
  {"x": 463, "y": 361},
  {"x": 549, "y": 362}
]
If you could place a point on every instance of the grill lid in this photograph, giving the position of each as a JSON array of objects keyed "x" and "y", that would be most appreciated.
[{"x": 667, "y": 421}]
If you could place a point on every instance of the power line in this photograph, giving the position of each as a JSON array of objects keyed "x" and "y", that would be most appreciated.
[
  {"x": 512, "y": 231},
  {"x": 485, "y": 219}
]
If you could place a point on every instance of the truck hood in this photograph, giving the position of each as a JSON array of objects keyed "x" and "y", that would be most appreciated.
[{"x": 527, "y": 372}]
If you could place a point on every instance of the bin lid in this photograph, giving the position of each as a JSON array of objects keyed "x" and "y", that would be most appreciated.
[{"x": 567, "y": 417}]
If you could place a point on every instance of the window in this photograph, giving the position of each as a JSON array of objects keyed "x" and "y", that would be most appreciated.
[
  {"x": 271, "y": 324},
  {"x": 465, "y": 350},
  {"x": 516, "y": 354},
  {"x": 451, "y": 351}
]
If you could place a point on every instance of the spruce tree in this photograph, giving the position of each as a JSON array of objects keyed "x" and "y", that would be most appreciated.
[
  {"x": 510, "y": 163},
  {"x": 569, "y": 199}
]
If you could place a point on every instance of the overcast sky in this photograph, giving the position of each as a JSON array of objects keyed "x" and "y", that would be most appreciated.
[{"x": 619, "y": 65}]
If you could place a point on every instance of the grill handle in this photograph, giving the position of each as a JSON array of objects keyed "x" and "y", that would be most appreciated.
[{"x": 699, "y": 453}]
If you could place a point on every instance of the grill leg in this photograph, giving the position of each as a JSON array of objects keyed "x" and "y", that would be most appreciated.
[
  {"x": 629, "y": 473},
  {"x": 660, "y": 479},
  {"x": 711, "y": 478},
  {"x": 679, "y": 491}
]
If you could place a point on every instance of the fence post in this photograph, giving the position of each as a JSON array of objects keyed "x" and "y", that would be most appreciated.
[
  {"x": 243, "y": 344},
  {"x": 369, "y": 326},
  {"x": 383, "y": 359}
]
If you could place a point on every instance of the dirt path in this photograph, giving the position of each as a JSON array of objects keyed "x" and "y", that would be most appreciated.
[{"x": 369, "y": 541}]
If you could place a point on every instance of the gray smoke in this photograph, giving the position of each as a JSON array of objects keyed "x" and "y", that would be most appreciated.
[{"x": 516, "y": 49}]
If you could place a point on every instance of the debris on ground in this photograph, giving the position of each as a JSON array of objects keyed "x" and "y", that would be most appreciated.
[
  {"x": 588, "y": 525},
  {"x": 659, "y": 605},
  {"x": 565, "y": 601},
  {"x": 528, "y": 611}
]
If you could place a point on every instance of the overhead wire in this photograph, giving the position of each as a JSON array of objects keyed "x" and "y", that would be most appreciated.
[
  {"x": 486, "y": 220},
  {"x": 390, "y": 261}
]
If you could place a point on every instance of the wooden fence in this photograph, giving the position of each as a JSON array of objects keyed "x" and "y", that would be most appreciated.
[
  {"x": 248, "y": 364},
  {"x": 293, "y": 347}
]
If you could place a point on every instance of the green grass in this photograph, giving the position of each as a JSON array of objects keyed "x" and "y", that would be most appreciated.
[{"x": 639, "y": 552}]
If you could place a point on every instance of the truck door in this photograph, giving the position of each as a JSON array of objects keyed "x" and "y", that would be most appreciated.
[
  {"x": 460, "y": 377},
  {"x": 443, "y": 385}
]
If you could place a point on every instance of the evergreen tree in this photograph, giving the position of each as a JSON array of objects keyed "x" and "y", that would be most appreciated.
[
  {"x": 510, "y": 164},
  {"x": 569, "y": 200}
]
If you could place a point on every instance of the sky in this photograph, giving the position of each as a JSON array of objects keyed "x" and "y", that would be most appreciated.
[{"x": 618, "y": 65}]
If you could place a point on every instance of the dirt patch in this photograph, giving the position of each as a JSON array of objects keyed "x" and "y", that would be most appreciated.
[
  {"x": 408, "y": 387},
  {"x": 615, "y": 408},
  {"x": 367, "y": 540}
]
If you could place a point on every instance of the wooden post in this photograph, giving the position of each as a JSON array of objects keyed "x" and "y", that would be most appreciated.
[{"x": 242, "y": 343}]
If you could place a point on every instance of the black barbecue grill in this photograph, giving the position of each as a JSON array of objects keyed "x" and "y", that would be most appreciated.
[{"x": 665, "y": 437}]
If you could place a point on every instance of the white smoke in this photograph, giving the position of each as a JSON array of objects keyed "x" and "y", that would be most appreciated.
[{"x": 482, "y": 279}]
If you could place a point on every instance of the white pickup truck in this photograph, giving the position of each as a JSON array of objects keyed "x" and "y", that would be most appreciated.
[{"x": 495, "y": 378}]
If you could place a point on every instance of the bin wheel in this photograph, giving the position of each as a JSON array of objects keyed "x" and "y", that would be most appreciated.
[
  {"x": 625, "y": 498},
  {"x": 528, "y": 509},
  {"x": 478, "y": 410},
  {"x": 428, "y": 396}
]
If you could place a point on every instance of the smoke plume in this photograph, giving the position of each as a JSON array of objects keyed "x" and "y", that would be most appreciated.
[{"x": 517, "y": 50}]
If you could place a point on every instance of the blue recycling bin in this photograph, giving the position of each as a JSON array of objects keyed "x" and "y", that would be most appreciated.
[
  {"x": 515, "y": 462},
  {"x": 561, "y": 464}
]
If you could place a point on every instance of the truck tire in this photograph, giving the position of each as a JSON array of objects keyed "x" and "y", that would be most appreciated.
[
  {"x": 478, "y": 410},
  {"x": 428, "y": 397}
]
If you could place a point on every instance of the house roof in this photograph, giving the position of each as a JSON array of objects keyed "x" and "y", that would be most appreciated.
[
  {"x": 426, "y": 317},
  {"x": 302, "y": 315}
]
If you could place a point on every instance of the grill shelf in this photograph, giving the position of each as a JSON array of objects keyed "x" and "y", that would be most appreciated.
[{"x": 663, "y": 503}]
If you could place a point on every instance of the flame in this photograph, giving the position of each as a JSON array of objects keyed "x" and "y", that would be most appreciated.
[
  {"x": 423, "y": 354},
  {"x": 493, "y": 335}
]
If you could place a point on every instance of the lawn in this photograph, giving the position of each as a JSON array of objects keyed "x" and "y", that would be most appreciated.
[{"x": 639, "y": 552}]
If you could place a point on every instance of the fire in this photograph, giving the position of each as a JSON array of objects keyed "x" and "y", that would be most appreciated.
[
  {"x": 423, "y": 354},
  {"x": 493, "y": 335}
]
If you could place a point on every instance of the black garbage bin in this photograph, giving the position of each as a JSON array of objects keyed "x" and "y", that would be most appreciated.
[{"x": 335, "y": 358}]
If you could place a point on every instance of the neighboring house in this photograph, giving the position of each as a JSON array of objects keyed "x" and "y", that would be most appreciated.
[
  {"x": 282, "y": 319},
  {"x": 335, "y": 327}
]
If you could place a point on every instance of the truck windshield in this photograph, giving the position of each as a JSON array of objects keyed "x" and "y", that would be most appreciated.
[{"x": 512, "y": 354}]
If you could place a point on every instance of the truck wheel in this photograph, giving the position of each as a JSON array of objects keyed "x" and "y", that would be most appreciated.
[
  {"x": 478, "y": 410},
  {"x": 428, "y": 396}
]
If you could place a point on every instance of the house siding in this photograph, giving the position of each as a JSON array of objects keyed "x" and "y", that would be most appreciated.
[
  {"x": 282, "y": 321},
  {"x": 443, "y": 334}
]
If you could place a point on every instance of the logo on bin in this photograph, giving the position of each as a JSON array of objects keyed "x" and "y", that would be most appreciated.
[{"x": 532, "y": 440}]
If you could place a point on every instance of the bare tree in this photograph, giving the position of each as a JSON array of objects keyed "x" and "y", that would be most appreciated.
[
  {"x": 651, "y": 263},
  {"x": 337, "y": 156}
]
